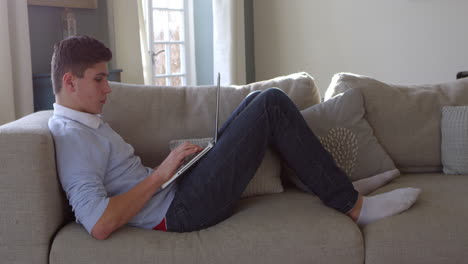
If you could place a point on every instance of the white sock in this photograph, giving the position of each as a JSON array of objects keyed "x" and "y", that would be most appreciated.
[
  {"x": 386, "y": 204},
  {"x": 368, "y": 185}
]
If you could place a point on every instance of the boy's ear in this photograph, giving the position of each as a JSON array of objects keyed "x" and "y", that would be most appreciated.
[{"x": 68, "y": 81}]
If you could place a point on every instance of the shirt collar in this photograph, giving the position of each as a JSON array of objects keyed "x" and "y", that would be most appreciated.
[{"x": 90, "y": 120}]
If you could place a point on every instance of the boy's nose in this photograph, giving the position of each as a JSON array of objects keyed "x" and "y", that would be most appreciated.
[{"x": 107, "y": 88}]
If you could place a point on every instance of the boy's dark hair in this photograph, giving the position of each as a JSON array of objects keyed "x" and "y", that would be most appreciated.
[{"x": 75, "y": 54}]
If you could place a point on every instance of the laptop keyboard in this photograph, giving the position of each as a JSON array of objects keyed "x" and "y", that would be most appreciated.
[{"x": 202, "y": 142}]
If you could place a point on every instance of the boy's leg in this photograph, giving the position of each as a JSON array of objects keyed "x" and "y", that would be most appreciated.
[
  {"x": 210, "y": 191},
  {"x": 238, "y": 110},
  {"x": 364, "y": 186}
]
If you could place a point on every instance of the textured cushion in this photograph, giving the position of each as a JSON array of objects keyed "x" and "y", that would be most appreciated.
[
  {"x": 434, "y": 230},
  {"x": 455, "y": 139},
  {"x": 340, "y": 125},
  {"x": 406, "y": 118},
  {"x": 290, "y": 227},
  {"x": 267, "y": 178},
  {"x": 148, "y": 117}
]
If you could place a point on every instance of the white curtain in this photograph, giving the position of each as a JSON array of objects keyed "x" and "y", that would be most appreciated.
[
  {"x": 145, "y": 53},
  {"x": 229, "y": 41},
  {"x": 125, "y": 39},
  {"x": 16, "y": 93}
]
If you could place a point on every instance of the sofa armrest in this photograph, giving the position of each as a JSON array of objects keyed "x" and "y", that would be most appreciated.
[{"x": 32, "y": 204}]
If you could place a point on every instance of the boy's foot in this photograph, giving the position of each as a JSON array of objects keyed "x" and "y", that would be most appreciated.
[{"x": 373, "y": 208}]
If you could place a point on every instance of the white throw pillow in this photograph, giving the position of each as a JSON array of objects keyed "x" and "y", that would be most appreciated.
[
  {"x": 266, "y": 180},
  {"x": 454, "y": 146}
]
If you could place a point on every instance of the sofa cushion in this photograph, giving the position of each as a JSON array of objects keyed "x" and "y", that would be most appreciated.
[
  {"x": 290, "y": 227},
  {"x": 266, "y": 178},
  {"x": 158, "y": 115},
  {"x": 455, "y": 139},
  {"x": 340, "y": 125},
  {"x": 406, "y": 118},
  {"x": 434, "y": 230}
]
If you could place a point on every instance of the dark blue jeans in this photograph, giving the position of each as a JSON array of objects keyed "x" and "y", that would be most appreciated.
[{"x": 209, "y": 192}]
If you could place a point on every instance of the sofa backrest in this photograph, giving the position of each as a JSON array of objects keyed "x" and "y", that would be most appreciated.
[
  {"x": 148, "y": 117},
  {"x": 406, "y": 119}
]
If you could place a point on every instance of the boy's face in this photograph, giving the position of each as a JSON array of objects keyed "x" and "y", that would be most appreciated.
[{"x": 90, "y": 92}]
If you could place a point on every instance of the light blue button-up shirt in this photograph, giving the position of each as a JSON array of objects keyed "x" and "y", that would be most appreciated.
[{"x": 94, "y": 163}]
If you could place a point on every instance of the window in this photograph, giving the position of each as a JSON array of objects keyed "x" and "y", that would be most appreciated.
[{"x": 170, "y": 41}]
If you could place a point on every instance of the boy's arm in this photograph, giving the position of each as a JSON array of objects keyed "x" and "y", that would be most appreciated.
[{"x": 123, "y": 207}]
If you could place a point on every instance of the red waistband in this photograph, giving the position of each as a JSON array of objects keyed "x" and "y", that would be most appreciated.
[{"x": 161, "y": 226}]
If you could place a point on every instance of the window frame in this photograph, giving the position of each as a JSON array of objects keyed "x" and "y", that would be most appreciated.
[{"x": 188, "y": 59}]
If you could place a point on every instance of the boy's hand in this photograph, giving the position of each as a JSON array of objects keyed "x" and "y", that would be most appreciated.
[{"x": 175, "y": 159}]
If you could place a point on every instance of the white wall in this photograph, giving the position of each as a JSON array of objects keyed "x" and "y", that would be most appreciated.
[{"x": 398, "y": 41}]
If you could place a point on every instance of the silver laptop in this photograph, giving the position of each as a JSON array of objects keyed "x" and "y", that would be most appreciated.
[{"x": 209, "y": 144}]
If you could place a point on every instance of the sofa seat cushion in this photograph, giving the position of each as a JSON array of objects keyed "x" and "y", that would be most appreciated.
[
  {"x": 290, "y": 227},
  {"x": 433, "y": 230}
]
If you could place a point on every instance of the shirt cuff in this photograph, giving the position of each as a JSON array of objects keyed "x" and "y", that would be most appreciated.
[{"x": 92, "y": 219}]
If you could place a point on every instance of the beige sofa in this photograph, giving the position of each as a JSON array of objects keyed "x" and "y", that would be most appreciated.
[{"x": 271, "y": 225}]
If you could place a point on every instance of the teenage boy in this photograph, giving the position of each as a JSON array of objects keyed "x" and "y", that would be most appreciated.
[{"x": 107, "y": 185}]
